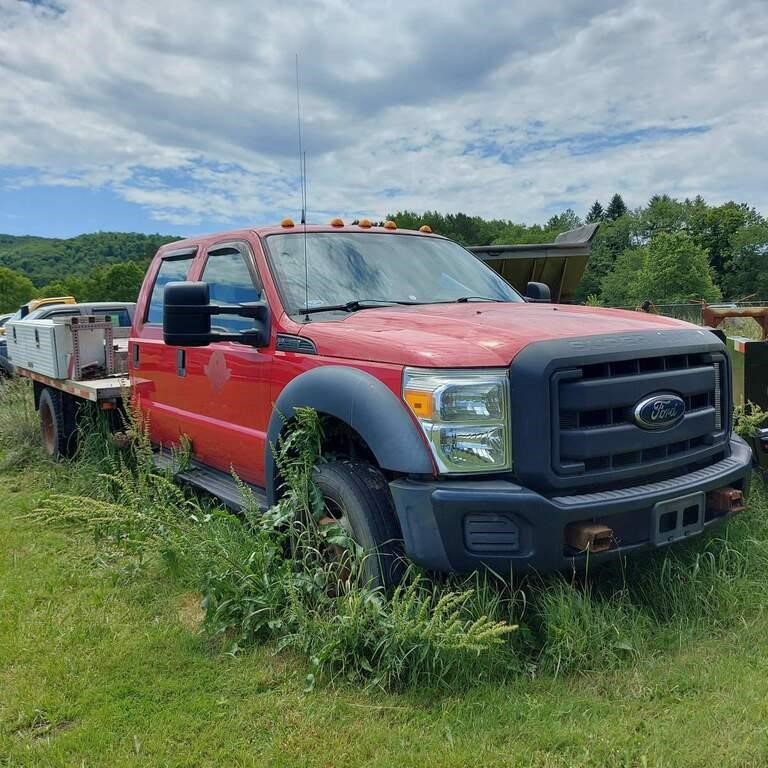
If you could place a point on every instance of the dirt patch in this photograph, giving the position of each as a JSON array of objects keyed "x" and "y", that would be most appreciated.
[
  {"x": 190, "y": 613},
  {"x": 40, "y": 726}
]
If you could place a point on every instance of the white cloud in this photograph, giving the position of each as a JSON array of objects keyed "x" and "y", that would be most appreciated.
[{"x": 499, "y": 109}]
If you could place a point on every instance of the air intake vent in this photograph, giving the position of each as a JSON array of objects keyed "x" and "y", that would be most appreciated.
[{"x": 286, "y": 343}]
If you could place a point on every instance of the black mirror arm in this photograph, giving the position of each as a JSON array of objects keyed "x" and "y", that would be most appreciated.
[
  {"x": 206, "y": 309},
  {"x": 244, "y": 310}
]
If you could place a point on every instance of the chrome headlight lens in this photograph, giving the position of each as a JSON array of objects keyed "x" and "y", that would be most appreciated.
[{"x": 465, "y": 417}]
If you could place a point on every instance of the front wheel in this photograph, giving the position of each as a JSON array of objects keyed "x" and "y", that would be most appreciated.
[{"x": 357, "y": 497}]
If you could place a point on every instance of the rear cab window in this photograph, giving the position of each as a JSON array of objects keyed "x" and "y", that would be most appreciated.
[
  {"x": 173, "y": 267},
  {"x": 232, "y": 279}
]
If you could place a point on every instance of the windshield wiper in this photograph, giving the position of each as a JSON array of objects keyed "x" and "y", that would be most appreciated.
[
  {"x": 465, "y": 299},
  {"x": 354, "y": 306}
]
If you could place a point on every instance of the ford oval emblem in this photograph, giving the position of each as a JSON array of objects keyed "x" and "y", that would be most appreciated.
[{"x": 659, "y": 411}]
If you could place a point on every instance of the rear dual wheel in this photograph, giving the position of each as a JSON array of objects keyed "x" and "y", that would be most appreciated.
[{"x": 56, "y": 411}]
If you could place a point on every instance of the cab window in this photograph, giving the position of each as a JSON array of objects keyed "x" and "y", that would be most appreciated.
[
  {"x": 172, "y": 269},
  {"x": 230, "y": 281}
]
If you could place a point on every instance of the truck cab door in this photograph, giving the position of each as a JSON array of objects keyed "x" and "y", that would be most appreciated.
[
  {"x": 152, "y": 363},
  {"x": 226, "y": 386}
]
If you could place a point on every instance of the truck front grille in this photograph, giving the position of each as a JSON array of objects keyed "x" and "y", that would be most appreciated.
[{"x": 595, "y": 433}]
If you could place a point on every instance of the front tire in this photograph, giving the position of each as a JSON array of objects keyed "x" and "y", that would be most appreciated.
[{"x": 357, "y": 496}]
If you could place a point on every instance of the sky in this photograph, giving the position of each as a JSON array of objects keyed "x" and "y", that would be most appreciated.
[{"x": 180, "y": 116}]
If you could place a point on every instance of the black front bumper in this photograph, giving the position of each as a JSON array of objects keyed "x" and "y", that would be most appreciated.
[{"x": 462, "y": 525}]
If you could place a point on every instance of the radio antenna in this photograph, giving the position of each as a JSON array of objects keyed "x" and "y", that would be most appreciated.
[{"x": 303, "y": 190}]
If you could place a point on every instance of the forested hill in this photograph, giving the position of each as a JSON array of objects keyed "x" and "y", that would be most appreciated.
[
  {"x": 667, "y": 251},
  {"x": 47, "y": 260}
]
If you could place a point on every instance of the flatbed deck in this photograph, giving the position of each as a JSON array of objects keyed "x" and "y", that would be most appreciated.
[{"x": 108, "y": 389}]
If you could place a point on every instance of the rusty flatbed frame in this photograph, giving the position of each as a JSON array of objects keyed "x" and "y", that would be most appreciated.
[{"x": 109, "y": 389}]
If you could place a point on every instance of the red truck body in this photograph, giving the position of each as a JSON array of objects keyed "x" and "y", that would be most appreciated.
[
  {"x": 223, "y": 396},
  {"x": 226, "y": 399}
]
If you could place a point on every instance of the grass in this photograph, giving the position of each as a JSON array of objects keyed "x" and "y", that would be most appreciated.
[{"x": 105, "y": 659}]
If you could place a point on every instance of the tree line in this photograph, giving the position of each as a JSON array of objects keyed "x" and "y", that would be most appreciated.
[
  {"x": 102, "y": 266},
  {"x": 666, "y": 251}
]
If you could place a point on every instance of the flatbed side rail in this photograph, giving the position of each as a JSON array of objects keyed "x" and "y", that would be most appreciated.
[{"x": 109, "y": 389}]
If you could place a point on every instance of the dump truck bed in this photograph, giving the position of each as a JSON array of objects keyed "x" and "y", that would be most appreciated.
[{"x": 560, "y": 264}]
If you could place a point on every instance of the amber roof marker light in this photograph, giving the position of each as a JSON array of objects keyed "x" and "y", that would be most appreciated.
[
  {"x": 337, "y": 222},
  {"x": 390, "y": 224},
  {"x": 426, "y": 229},
  {"x": 287, "y": 223},
  {"x": 364, "y": 223}
]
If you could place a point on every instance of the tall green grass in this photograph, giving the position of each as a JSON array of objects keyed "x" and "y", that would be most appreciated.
[
  {"x": 19, "y": 439},
  {"x": 263, "y": 578}
]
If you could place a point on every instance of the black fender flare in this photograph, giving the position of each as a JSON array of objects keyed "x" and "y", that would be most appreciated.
[{"x": 360, "y": 401}]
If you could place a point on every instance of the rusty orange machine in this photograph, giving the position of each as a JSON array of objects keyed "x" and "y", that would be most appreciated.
[{"x": 713, "y": 316}]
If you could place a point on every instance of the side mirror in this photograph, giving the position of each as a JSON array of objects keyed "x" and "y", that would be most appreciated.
[
  {"x": 187, "y": 312},
  {"x": 538, "y": 293}
]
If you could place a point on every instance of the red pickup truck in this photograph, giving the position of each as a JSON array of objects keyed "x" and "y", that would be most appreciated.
[{"x": 465, "y": 424}]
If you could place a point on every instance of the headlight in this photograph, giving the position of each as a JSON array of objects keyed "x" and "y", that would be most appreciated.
[{"x": 464, "y": 415}]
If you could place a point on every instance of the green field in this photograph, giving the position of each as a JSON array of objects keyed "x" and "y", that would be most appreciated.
[{"x": 101, "y": 665}]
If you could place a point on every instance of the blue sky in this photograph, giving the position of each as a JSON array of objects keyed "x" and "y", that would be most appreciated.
[{"x": 180, "y": 116}]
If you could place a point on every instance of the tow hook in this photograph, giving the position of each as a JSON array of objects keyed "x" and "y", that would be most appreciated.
[
  {"x": 592, "y": 537},
  {"x": 726, "y": 500}
]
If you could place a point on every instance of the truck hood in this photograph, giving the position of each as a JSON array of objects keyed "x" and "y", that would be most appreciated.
[{"x": 467, "y": 335}]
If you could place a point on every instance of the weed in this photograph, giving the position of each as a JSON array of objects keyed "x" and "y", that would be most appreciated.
[
  {"x": 419, "y": 634},
  {"x": 747, "y": 419},
  {"x": 265, "y": 576}
]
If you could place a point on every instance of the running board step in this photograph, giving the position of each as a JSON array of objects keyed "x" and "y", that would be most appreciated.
[{"x": 217, "y": 483}]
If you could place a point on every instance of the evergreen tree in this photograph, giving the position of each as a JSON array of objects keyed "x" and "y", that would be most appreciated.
[
  {"x": 616, "y": 208},
  {"x": 596, "y": 213}
]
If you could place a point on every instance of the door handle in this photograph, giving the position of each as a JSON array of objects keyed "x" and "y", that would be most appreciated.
[
  {"x": 181, "y": 362},
  {"x": 135, "y": 354}
]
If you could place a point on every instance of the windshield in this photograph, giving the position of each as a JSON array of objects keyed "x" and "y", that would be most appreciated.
[{"x": 349, "y": 267}]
